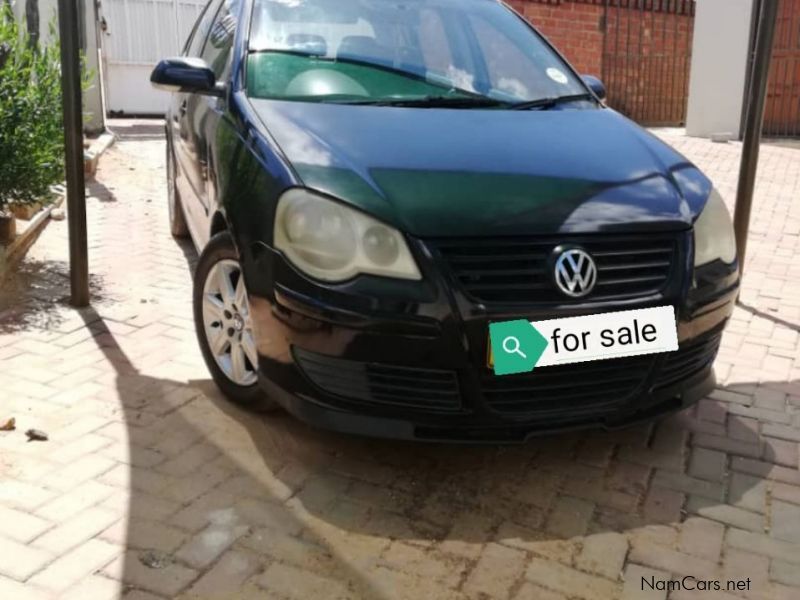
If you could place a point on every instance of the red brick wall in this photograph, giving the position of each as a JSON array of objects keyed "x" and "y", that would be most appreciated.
[
  {"x": 573, "y": 28},
  {"x": 647, "y": 50}
]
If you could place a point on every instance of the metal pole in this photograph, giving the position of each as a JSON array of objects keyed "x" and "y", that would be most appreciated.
[
  {"x": 755, "y": 103},
  {"x": 73, "y": 149}
]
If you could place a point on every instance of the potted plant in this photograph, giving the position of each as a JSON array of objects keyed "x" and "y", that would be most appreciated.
[{"x": 31, "y": 132}]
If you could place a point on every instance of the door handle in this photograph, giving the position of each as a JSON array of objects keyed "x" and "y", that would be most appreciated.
[{"x": 183, "y": 107}]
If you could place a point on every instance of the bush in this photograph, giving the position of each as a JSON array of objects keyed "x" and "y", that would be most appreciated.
[{"x": 31, "y": 131}]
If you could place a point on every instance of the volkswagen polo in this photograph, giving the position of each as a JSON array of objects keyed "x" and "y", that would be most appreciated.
[{"x": 371, "y": 184}]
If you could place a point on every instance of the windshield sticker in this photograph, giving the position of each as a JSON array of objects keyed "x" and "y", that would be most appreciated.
[{"x": 557, "y": 76}]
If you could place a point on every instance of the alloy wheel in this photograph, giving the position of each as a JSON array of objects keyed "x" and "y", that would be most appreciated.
[{"x": 227, "y": 323}]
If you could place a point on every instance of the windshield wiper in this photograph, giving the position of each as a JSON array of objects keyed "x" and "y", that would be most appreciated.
[
  {"x": 433, "y": 102},
  {"x": 548, "y": 103}
]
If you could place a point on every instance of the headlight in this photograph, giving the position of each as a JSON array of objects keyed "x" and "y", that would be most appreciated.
[
  {"x": 713, "y": 233},
  {"x": 332, "y": 242}
]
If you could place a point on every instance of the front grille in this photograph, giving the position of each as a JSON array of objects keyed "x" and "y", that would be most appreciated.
[
  {"x": 576, "y": 390},
  {"x": 380, "y": 384},
  {"x": 519, "y": 271},
  {"x": 688, "y": 361}
]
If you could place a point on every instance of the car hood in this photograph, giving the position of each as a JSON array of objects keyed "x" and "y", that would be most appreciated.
[{"x": 449, "y": 172}]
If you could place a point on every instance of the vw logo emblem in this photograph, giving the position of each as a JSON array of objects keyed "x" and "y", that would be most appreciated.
[{"x": 575, "y": 273}]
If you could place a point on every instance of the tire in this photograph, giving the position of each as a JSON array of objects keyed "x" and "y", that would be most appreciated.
[
  {"x": 223, "y": 325},
  {"x": 177, "y": 220}
]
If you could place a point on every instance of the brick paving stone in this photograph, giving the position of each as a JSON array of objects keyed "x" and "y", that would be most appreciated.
[
  {"x": 663, "y": 505},
  {"x": 737, "y": 447},
  {"x": 785, "y": 573},
  {"x": 143, "y": 534},
  {"x": 766, "y": 470},
  {"x": 781, "y": 452},
  {"x": 76, "y": 530},
  {"x": 382, "y": 582},
  {"x": 292, "y": 583},
  {"x": 18, "y": 561},
  {"x": 531, "y": 591},
  {"x": 266, "y": 514},
  {"x": 747, "y": 492},
  {"x": 770, "y": 399},
  {"x": 689, "y": 485},
  {"x": 570, "y": 582},
  {"x": 75, "y": 565},
  {"x": 24, "y": 496},
  {"x": 603, "y": 554},
  {"x": 468, "y": 535},
  {"x": 759, "y": 543},
  {"x": 738, "y": 563},
  {"x": 73, "y": 502},
  {"x": 167, "y": 581},
  {"x": 227, "y": 576},
  {"x": 10, "y": 588},
  {"x": 21, "y": 526},
  {"x": 782, "y": 432},
  {"x": 205, "y": 547},
  {"x": 570, "y": 517},
  {"x": 726, "y": 514},
  {"x": 299, "y": 552},
  {"x": 93, "y": 587},
  {"x": 708, "y": 464},
  {"x": 788, "y": 493},
  {"x": 701, "y": 537},
  {"x": 140, "y": 595},
  {"x": 646, "y": 553},
  {"x": 496, "y": 571},
  {"x": 785, "y": 521},
  {"x": 424, "y": 563}
]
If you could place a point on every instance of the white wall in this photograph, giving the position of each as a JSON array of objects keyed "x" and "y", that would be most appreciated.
[
  {"x": 94, "y": 117},
  {"x": 719, "y": 67}
]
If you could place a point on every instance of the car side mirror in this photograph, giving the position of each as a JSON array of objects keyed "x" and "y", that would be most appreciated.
[
  {"x": 186, "y": 74},
  {"x": 596, "y": 86}
]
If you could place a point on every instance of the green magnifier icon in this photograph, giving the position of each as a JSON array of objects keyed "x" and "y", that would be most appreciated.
[{"x": 517, "y": 347}]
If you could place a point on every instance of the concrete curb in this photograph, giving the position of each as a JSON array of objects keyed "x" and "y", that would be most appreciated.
[
  {"x": 91, "y": 156},
  {"x": 11, "y": 254}
]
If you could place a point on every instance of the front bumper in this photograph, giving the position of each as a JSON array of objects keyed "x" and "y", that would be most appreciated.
[{"x": 414, "y": 367}]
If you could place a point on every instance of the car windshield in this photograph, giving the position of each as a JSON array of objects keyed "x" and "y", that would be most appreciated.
[{"x": 457, "y": 53}]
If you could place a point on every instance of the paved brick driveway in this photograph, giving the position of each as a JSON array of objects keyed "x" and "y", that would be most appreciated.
[{"x": 151, "y": 486}]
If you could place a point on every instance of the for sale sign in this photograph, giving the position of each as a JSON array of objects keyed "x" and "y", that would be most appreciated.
[{"x": 521, "y": 346}]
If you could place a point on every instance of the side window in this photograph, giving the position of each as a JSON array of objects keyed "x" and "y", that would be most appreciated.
[
  {"x": 220, "y": 39},
  {"x": 201, "y": 29}
]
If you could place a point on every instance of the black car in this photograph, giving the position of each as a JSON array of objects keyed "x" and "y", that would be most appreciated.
[{"x": 371, "y": 184}]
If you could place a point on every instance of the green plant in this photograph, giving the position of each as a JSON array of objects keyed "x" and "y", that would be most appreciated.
[{"x": 31, "y": 131}]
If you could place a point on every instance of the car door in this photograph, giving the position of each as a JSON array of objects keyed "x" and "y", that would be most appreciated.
[
  {"x": 189, "y": 169},
  {"x": 204, "y": 112}
]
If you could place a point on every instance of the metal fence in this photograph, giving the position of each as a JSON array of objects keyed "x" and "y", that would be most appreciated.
[
  {"x": 646, "y": 58},
  {"x": 643, "y": 50},
  {"x": 782, "y": 112}
]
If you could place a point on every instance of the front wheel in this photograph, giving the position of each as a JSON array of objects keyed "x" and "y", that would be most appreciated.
[{"x": 224, "y": 325}]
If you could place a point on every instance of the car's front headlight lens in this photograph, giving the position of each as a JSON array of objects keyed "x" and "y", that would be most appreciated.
[
  {"x": 713, "y": 233},
  {"x": 329, "y": 241}
]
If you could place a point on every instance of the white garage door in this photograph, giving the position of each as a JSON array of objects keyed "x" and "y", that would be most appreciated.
[{"x": 139, "y": 33}]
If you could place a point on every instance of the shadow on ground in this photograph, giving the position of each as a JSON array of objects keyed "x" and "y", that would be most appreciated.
[
  {"x": 36, "y": 295},
  {"x": 259, "y": 502}
]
